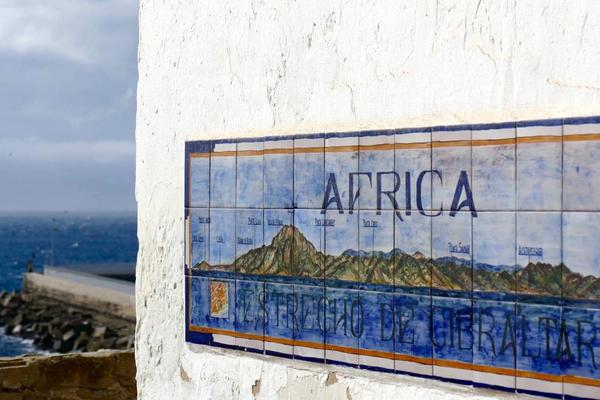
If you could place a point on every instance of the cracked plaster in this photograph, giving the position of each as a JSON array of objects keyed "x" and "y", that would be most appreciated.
[{"x": 228, "y": 69}]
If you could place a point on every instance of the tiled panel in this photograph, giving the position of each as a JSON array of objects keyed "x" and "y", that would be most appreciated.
[
  {"x": 413, "y": 347},
  {"x": 309, "y": 322},
  {"x": 212, "y": 310},
  {"x": 342, "y": 261},
  {"x": 198, "y": 154},
  {"x": 344, "y": 324},
  {"x": 341, "y": 184},
  {"x": 581, "y": 165},
  {"x": 581, "y": 257},
  {"x": 249, "y": 315},
  {"x": 379, "y": 184},
  {"x": 452, "y": 339},
  {"x": 250, "y": 174},
  {"x": 539, "y": 166},
  {"x": 493, "y": 166},
  {"x": 309, "y": 245},
  {"x": 249, "y": 242},
  {"x": 451, "y": 252},
  {"x": 309, "y": 171},
  {"x": 539, "y": 369},
  {"x": 376, "y": 335},
  {"x": 376, "y": 250},
  {"x": 494, "y": 255},
  {"x": 279, "y": 323},
  {"x": 222, "y": 240},
  {"x": 539, "y": 257},
  {"x": 279, "y": 173},
  {"x": 197, "y": 238},
  {"x": 581, "y": 356},
  {"x": 451, "y": 158},
  {"x": 223, "y": 175},
  {"x": 495, "y": 344},
  {"x": 463, "y": 253},
  {"x": 413, "y": 166},
  {"x": 413, "y": 253}
]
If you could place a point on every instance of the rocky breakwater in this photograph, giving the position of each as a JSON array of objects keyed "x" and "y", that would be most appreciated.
[{"x": 60, "y": 328}]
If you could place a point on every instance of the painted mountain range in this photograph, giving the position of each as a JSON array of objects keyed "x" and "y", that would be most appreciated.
[{"x": 291, "y": 254}]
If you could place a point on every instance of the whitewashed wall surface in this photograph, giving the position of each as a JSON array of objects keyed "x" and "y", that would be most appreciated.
[{"x": 230, "y": 69}]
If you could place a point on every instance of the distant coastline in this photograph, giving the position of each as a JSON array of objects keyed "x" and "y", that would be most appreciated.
[{"x": 290, "y": 254}]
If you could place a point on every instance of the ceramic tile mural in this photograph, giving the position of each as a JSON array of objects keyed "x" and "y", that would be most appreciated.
[{"x": 469, "y": 253}]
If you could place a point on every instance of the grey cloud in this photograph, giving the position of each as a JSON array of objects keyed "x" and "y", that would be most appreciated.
[{"x": 68, "y": 78}]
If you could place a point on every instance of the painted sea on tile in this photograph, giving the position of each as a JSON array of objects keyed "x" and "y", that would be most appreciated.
[{"x": 468, "y": 254}]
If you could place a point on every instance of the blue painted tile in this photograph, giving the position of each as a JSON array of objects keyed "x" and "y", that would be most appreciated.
[
  {"x": 378, "y": 182},
  {"x": 279, "y": 323},
  {"x": 539, "y": 257},
  {"x": 212, "y": 310},
  {"x": 342, "y": 264},
  {"x": 452, "y": 339},
  {"x": 249, "y": 242},
  {"x": 581, "y": 258},
  {"x": 309, "y": 245},
  {"x": 539, "y": 167},
  {"x": 250, "y": 174},
  {"x": 413, "y": 253},
  {"x": 376, "y": 245},
  {"x": 341, "y": 186},
  {"x": 308, "y": 315},
  {"x": 494, "y": 255},
  {"x": 198, "y": 178},
  {"x": 197, "y": 239},
  {"x": 451, "y": 244},
  {"x": 413, "y": 166},
  {"x": 493, "y": 165},
  {"x": 581, "y": 167},
  {"x": 376, "y": 337},
  {"x": 222, "y": 240},
  {"x": 495, "y": 344},
  {"x": 344, "y": 324},
  {"x": 413, "y": 346},
  {"x": 223, "y": 175},
  {"x": 581, "y": 357},
  {"x": 279, "y": 173},
  {"x": 249, "y": 315},
  {"x": 309, "y": 172},
  {"x": 451, "y": 158},
  {"x": 539, "y": 368}
]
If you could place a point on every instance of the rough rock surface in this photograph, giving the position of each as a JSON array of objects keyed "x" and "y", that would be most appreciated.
[{"x": 100, "y": 375}]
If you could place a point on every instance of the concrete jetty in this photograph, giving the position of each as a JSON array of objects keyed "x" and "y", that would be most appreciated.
[{"x": 98, "y": 294}]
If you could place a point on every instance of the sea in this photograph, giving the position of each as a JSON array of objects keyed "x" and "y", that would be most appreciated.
[{"x": 59, "y": 239}]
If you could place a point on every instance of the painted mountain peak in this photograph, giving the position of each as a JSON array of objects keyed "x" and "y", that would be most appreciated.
[{"x": 290, "y": 253}]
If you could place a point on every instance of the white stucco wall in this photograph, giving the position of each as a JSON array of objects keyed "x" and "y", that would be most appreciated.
[{"x": 249, "y": 68}]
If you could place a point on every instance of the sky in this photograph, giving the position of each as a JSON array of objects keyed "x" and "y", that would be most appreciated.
[{"x": 68, "y": 74}]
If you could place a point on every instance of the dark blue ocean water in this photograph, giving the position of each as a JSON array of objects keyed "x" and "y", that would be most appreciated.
[{"x": 78, "y": 238}]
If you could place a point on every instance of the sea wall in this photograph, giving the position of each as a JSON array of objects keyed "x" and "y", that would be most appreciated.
[
  {"x": 214, "y": 71},
  {"x": 91, "y": 293},
  {"x": 101, "y": 375}
]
